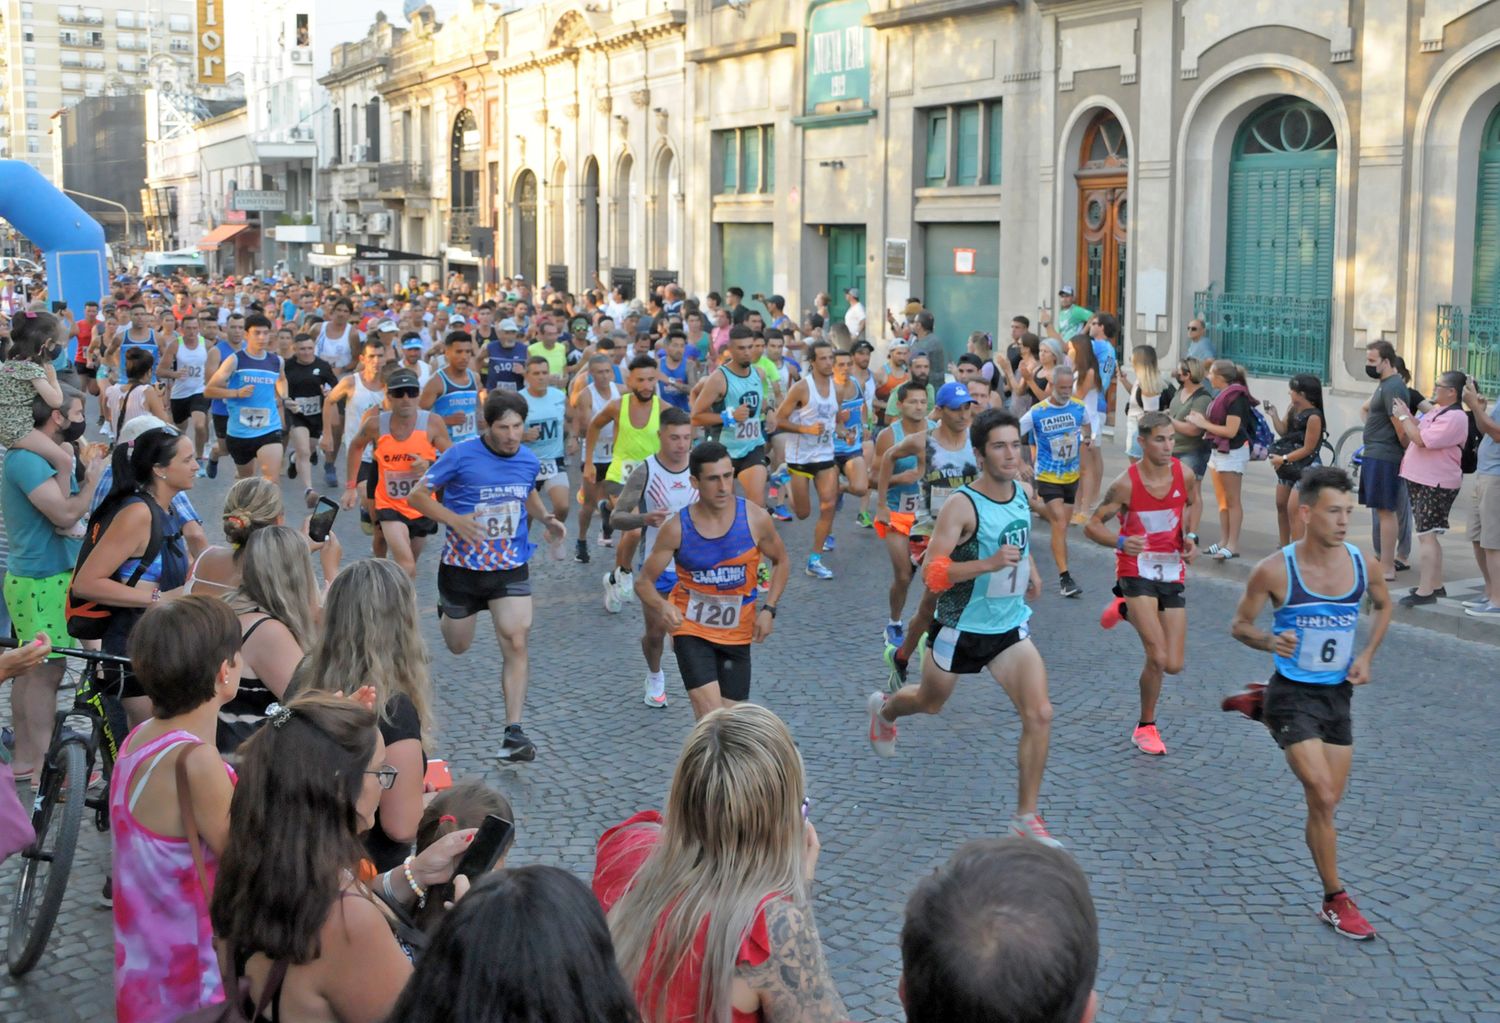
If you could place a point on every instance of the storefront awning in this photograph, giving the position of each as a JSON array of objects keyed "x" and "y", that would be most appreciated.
[{"x": 222, "y": 233}]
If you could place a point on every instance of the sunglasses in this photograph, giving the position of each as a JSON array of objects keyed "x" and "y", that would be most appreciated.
[{"x": 404, "y": 392}]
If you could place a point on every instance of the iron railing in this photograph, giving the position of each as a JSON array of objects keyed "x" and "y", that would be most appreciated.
[
  {"x": 461, "y": 223},
  {"x": 1270, "y": 335},
  {"x": 1470, "y": 340},
  {"x": 404, "y": 177}
]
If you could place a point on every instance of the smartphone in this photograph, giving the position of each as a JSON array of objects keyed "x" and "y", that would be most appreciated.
[
  {"x": 438, "y": 777},
  {"x": 58, "y": 307},
  {"x": 321, "y": 523},
  {"x": 490, "y": 843}
]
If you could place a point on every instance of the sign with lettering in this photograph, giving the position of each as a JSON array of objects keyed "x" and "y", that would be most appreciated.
[
  {"x": 839, "y": 47},
  {"x": 257, "y": 200},
  {"x": 210, "y": 62}
]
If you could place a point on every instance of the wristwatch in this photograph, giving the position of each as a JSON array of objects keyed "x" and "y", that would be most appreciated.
[
  {"x": 1191, "y": 536},
  {"x": 769, "y": 607}
]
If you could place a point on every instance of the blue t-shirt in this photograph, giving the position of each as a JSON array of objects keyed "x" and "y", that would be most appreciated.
[
  {"x": 546, "y": 415},
  {"x": 1058, "y": 431},
  {"x": 1104, "y": 355},
  {"x": 36, "y": 549},
  {"x": 476, "y": 480},
  {"x": 505, "y": 366}
]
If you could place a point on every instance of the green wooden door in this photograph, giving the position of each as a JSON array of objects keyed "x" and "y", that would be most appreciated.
[
  {"x": 1485, "y": 290},
  {"x": 960, "y": 301},
  {"x": 745, "y": 258},
  {"x": 846, "y": 266}
]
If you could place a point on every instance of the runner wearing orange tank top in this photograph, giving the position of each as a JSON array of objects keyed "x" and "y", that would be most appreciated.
[{"x": 1154, "y": 541}]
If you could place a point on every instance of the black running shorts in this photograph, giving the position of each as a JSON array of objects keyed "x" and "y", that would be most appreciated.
[
  {"x": 701, "y": 662},
  {"x": 1298, "y": 711}
]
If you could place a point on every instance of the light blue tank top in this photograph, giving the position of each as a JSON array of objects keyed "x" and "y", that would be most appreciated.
[
  {"x": 855, "y": 407},
  {"x": 459, "y": 400},
  {"x": 217, "y": 407},
  {"x": 994, "y": 602},
  {"x": 546, "y": 414},
  {"x": 148, "y": 345},
  {"x": 260, "y": 413},
  {"x": 902, "y": 496},
  {"x": 1325, "y": 626},
  {"x": 742, "y": 438}
]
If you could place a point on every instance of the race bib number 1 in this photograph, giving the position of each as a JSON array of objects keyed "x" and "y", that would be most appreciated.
[
  {"x": 499, "y": 521},
  {"x": 1010, "y": 581},
  {"x": 714, "y": 612}
]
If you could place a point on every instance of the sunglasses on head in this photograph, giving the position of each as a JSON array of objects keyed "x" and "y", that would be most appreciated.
[{"x": 404, "y": 392}]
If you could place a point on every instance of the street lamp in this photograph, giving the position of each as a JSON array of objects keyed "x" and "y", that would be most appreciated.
[{"x": 110, "y": 202}]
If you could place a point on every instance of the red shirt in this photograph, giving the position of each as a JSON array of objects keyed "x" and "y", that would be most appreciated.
[
  {"x": 1159, "y": 520},
  {"x": 621, "y": 852}
]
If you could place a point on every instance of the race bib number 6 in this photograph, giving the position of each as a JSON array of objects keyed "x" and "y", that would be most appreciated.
[{"x": 1325, "y": 650}]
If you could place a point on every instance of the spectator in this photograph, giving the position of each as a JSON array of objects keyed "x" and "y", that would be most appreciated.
[
  {"x": 1484, "y": 518},
  {"x": 854, "y": 316},
  {"x": 1149, "y": 392},
  {"x": 925, "y": 342},
  {"x": 1296, "y": 450},
  {"x": 277, "y": 604},
  {"x": 186, "y": 655},
  {"x": 42, "y": 509},
  {"x": 709, "y": 907},
  {"x": 891, "y": 376},
  {"x": 918, "y": 367},
  {"x": 252, "y": 504},
  {"x": 35, "y": 339},
  {"x": 1086, "y": 384},
  {"x": 288, "y": 908},
  {"x": 1381, "y": 488},
  {"x": 1018, "y": 375},
  {"x": 1050, "y": 355},
  {"x": 1005, "y": 930},
  {"x": 464, "y": 805},
  {"x": 558, "y": 965},
  {"x": 1432, "y": 469},
  {"x": 371, "y": 637},
  {"x": 135, "y": 395},
  {"x": 1199, "y": 345},
  {"x": 1229, "y": 424},
  {"x": 719, "y": 336}
]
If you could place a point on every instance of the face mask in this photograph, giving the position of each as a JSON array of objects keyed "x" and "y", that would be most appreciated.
[
  {"x": 73, "y": 431},
  {"x": 1372, "y": 372}
]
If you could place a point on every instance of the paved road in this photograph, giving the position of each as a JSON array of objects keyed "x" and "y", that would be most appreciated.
[{"x": 1204, "y": 888}]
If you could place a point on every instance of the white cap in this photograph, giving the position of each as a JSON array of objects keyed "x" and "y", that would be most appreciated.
[
  {"x": 387, "y": 327},
  {"x": 139, "y": 425}
]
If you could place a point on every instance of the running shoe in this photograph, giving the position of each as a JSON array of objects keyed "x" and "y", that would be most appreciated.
[
  {"x": 897, "y": 677},
  {"x": 203, "y": 468},
  {"x": 1479, "y": 601},
  {"x": 606, "y": 541},
  {"x": 829, "y": 545},
  {"x": 310, "y": 498},
  {"x": 1344, "y": 917},
  {"x": 366, "y": 523},
  {"x": 781, "y": 513},
  {"x": 330, "y": 474},
  {"x": 291, "y": 470},
  {"x": 1031, "y": 826},
  {"x": 1079, "y": 519},
  {"x": 919, "y": 653},
  {"x": 611, "y": 594},
  {"x": 656, "y": 691},
  {"x": 515, "y": 747},
  {"x": 106, "y": 430},
  {"x": 1067, "y": 587},
  {"x": 816, "y": 568},
  {"x": 882, "y": 732},
  {"x": 1486, "y": 611},
  {"x": 625, "y": 583},
  {"x": 1250, "y": 702},
  {"x": 581, "y": 552},
  {"x": 605, "y": 511},
  {"x": 1148, "y": 740},
  {"x": 213, "y": 468},
  {"x": 865, "y": 520},
  {"x": 312, "y": 459},
  {"x": 895, "y": 634},
  {"x": 1114, "y": 613}
]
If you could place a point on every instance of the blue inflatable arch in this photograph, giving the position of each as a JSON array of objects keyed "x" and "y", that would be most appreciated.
[{"x": 72, "y": 240}]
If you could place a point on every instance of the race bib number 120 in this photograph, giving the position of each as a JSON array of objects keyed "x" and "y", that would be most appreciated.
[{"x": 714, "y": 612}]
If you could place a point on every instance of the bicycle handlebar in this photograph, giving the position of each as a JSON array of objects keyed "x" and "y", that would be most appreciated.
[{"x": 98, "y": 656}]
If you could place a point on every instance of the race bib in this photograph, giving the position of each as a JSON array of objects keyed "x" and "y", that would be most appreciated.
[
  {"x": 713, "y": 612},
  {"x": 398, "y": 485},
  {"x": 194, "y": 373},
  {"x": 1064, "y": 447},
  {"x": 1161, "y": 566},
  {"x": 748, "y": 430},
  {"x": 468, "y": 426},
  {"x": 825, "y": 434},
  {"x": 309, "y": 406},
  {"x": 1325, "y": 650},
  {"x": 548, "y": 469},
  {"x": 604, "y": 451},
  {"x": 908, "y": 502},
  {"x": 937, "y": 496},
  {"x": 627, "y": 467},
  {"x": 499, "y": 521},
  {"x": 255, "y": 418},
  {"x": 1010, "y": 581}
]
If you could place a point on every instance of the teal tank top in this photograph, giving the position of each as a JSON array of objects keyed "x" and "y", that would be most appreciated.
[
  {"x": 741, "y": 438},
  {"x": 994, "y": 602}
]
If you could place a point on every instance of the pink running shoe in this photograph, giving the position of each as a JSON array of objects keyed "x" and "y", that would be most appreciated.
[
  {"x": 1114, "y": 613},
  {"x": 1148, "y": 740},
  {"x": 882, "y": 732}
]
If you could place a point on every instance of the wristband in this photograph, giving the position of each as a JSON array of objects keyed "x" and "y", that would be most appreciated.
[
  {"x": 1120, "y": 542},
  {"x": 727, "y": 418},
  {"x": 769, "y": 607},
  {"x": 935, "y": 574}
]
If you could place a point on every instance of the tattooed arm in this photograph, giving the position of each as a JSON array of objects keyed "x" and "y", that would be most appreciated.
[{"x": 793, "y": 984}]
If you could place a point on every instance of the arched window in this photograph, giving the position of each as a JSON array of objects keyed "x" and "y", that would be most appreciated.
[
  {"x": 620, "y": 209},
  {"x": 1485, "y": 290},
  {"x": 525, "y": 226},
  {"x": 557, "y": 251},
  {"x": 592, "y": 257},
  {"x": 666, "y": 231},
  {"x": 372, "y": 130},
  {"x": 465, "y": 162},
  {"x": 338, "y": 136}
]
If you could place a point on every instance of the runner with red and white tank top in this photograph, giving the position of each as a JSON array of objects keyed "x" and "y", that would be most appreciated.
[{"x": 1155, "y": 516}]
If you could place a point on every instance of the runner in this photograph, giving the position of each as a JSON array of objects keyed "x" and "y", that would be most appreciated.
[
  {"x": 636, "y": 437},
  {"x": 140, "y": 334},
  {"x": 457, "y": 404},
  {"x": 218, "y": 409},
  {"x": 862, "y": 374},
  {"x": 1154, "y": 544},
  {"x": 594, "y": 395},
  {"x": 980, "y": 566},
  {"x": 849, "y": 436},
  {"x": 505, "y": 359},
  {"x": 404, "y": 441},
  {"x": 253, "y": 385},
  {"x": 811, "y": 413},
  {"x": 1306, "y": 704},
  {"x": 188, "y": 359},
  {"x": 715, "y": 544},
  {"x": 358, "y": 393},
  {"x": 547, "y": 437},
  {"x": 945, "y": 462},
  {"x": 1060, "y": 427},
  {"x": 897, "y": 498},
  {"x": 488, "y": 487},
  {"x": 737, "y": 385},
  {"x": 412, "y": 357},
  {"x": 308, "y": 381},
  {"x": 659, "y": 487},
  {"x": 339, "y": 343},
  {"x": 677, "y": 373}
]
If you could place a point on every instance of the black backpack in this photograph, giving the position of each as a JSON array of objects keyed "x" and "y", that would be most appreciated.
[
  {"x": 1469, "y": 460},
  {"x": 88, "y": 619}
]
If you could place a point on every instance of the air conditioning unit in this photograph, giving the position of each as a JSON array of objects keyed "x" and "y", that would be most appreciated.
[
  {"x": 378, "y": 223},
  {"x": 301, "y": 56}
]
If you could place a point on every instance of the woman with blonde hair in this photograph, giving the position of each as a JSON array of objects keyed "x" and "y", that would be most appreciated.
[
  {"x": 371, "y": 637},
  {"x": 1149, "y": 391},
  {"x": 277, "y": 604},
  {"x": 252, "y": 504},
  {"x": 708, "y": 905}
]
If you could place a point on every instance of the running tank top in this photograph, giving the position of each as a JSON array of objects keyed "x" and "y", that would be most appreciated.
[
  {"x": 1324, "y": 625},
  {"x": 893, "y": 380},
  {"x": 821, "y": 411},
  {"x": 396, "y": 461},
  {"x": 947, "y": 471},
  {"x": 191, "y": 363},
  {"x": 633, "y": 445},
  {"x": 260, "y": 413},
  {"x": 993, "y": 602},
  {"x": 1159, "y": 520},
  {"x": 665, "y": 491},
  {"x": 218, "y": 407},
  {"x": 854, "y": 427},
  {"x": 459, "y": 400},
  {"x": 545, "y": 414},
  {"x": 361, "y": 401},
  {"x": 148, "y": 345},
  {"x": 902, "y": 497},
  {"x": 604, "y": 446},
  {"x": 716, "y": 580},
  {"x": 743, "y": 437}
]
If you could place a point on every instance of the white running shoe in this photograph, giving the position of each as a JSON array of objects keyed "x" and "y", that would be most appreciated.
[
  {"x": 626, "y": 583},
  {"x": 1030, "y": 826},
  {"x": 611, "y": 595},
  {"x": 656, "y": 691},
  {"x": 882, "y": 732}
]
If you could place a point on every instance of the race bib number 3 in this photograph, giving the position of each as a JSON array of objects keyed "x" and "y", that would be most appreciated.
[
  {"x": 1325, "y": 650},
  {"x": 499, "y": 521},
  {"x": 1160, "y": 566},
  {"x": 713, "y": 612}
]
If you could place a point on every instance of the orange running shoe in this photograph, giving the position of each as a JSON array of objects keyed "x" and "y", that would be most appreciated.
[
  {"x": 1148, "y": 740},
  {"x": 882, "y": 732},
  {"x": 1114, "y": 613}
]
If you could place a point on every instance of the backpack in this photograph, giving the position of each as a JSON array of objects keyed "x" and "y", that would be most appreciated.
[
  {"x": 88, "y": 619},
  {"x": 1261, "y": 437},
  {"x": 1468, "y": 461}
]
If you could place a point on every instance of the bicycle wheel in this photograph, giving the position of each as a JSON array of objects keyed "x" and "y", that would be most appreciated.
[
  {"x": 1349, "y": 442},
  {"x": 46, "y": 864}
]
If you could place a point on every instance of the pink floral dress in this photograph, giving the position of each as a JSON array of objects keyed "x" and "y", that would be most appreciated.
[{"x": 164, "y": 954}]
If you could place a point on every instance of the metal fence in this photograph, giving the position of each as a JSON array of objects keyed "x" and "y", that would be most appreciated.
[
  {"x": 412, "y": 177},
  {"x": 1470, "y": 340},
  {"x": 1271, "y": 335}
]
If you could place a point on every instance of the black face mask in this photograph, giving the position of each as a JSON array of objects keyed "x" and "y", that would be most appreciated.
[
  {"x": 1372, "y": 372},
  {"x": 73, "y": 431}
]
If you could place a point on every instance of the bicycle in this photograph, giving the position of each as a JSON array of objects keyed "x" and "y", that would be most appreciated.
[
  {"x": 1348, "y": 453},
  {"x": 62, "y": 784}
]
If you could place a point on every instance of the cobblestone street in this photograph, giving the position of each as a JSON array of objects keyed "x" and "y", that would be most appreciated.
[{"x": 1204, "y": 888}]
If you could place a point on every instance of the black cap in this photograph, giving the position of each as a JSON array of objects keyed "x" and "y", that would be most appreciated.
[{"x": 403, "y": 378}]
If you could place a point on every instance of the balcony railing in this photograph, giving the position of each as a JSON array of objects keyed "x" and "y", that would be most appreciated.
[
  {"x": 404, "y": 177},
  {"x": 1469, "y": 339},
  {"x": 461, "y": 222},
  {"x": 1271, "y": 335}
]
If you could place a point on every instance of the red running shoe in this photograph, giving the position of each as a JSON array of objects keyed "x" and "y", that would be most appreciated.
[
  {"x": 1114, "y": 613},
  {"x": 1251, "y": 702},
  {"x": 1344, "y": 917}
]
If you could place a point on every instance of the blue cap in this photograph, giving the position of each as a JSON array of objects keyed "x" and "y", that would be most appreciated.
[{"x": 953, "y": 395}]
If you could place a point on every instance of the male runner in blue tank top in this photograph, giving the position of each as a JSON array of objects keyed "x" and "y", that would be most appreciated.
[
  {"x": 453, "y": 392},
  {"x": 253, "y": 386},
  {"x": 1315, "y": 586},
  {"x": 980, "y": 566}
]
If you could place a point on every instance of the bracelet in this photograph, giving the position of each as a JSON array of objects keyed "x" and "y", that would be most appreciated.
[
  {"x": 418, "y": 890},
  {"x": 1120, "y": 542},
  {"x": 156, "y": 595},
  {"x": 727, "y": 418},
  {"x": 385, "y": 885}
]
